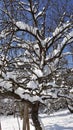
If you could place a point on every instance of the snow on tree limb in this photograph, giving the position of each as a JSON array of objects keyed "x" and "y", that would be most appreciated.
[
  {"x": 26, "y": 27},
  {"x": 36, "y": 65},
  {"x": 57, "y": 52},
  {"x": 4, "y": 33},
  {"x": 59, "y": 94},
  {"x": 20, "y": 26},
  {"x": 58, "y": 33}
]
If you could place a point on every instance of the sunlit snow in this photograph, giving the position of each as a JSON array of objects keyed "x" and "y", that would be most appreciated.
[
  {"x": 61, "y": 120},
  {"x": 26, "y": 27},
  {"x": 32, "y": 85}
]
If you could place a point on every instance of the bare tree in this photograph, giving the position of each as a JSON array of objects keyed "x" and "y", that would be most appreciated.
[{"x": 32, "y": 41}]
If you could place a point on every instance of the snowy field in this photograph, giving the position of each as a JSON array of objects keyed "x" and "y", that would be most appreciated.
[{"x": 61, "y": 120}]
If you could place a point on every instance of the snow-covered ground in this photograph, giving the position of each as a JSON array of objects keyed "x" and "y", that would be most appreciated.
[{"x": 61, "y": 120}]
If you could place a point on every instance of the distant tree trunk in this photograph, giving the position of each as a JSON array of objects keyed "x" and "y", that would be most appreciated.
[
  {"x": 34, "y": 115},
  {"x": 26, "y": 118},
  {"x": 0, "y": 126}
]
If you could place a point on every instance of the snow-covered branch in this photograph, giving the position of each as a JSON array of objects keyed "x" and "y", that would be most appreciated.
[
  {"x": 4, "y": 33},
  {"x": 26, "y": 27},
  {"x": 58, "y": 33},
  {"x": 64, "y": 96}
]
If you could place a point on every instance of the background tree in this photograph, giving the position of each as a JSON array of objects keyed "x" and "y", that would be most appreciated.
[{"x": 33, "y": 38}]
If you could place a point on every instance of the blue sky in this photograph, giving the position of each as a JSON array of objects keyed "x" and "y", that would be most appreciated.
[{"x": 51, "y": 13}]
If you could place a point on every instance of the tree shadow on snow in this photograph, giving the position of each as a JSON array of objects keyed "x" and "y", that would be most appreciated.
[
  {"x": 55, "y": 115},
  {"x": 60, "y": 114},
  {"x": 58, "y": 127}
]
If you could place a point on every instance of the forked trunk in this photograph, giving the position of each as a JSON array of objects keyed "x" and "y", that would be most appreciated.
[{"x": 34, "y": 115}]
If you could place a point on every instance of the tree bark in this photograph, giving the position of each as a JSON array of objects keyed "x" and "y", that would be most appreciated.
[
  {"x": 26, "y": 118},
  {"x": 34, "y": 115},
  {"x": 0, "y": 126}
]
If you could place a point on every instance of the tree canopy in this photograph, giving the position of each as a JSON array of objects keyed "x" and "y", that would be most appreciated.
[{"x": 33, "y": 37}]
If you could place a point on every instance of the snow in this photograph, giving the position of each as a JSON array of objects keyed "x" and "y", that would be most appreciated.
[
  {"x": 70, "y": 107},
  {"x": 11, "y": 123},
  {"x": 24, "y": 3},
  {"x": 36, "y": 46},
  {"x": 11, "y": 75},
  {"x": 59, "y": 29},
  {"x": 27, "y": 96},
  {"x": 6, "y": 84},
  {"x": 20, "y": 63},
  {"x": 61, "y": 120},
  {"x": 32, "y": 85},
  {"x": 68, "y": 38},
  {"x": 26, "y": 27},
  {"x": 66, "y": 53},
  {"x": 52, "y": 84},
  {"x": 55, "y": 51},
  {"x": 19, "y": 91},
  {"x": 4, "y": 33},
  {"x": 38, "y": 72},
  {"x": 41, "y": 13},
  {"x": 46, "y": 70},
  {"x": 71, "y": 91},
  {"x": 34, "y": 77}
]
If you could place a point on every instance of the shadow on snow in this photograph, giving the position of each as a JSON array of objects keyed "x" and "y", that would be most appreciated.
[{"x": 58, "y": 127}]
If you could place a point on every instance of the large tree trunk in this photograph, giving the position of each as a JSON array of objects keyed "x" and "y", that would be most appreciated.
[
  {"x": 34, "y": 115},
  {"x": 26, "y": 118}
]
